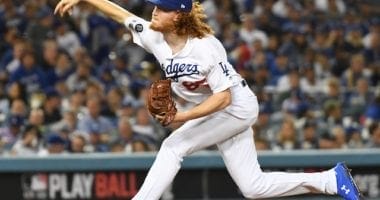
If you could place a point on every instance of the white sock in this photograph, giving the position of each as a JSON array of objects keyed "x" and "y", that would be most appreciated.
[{"x": 331, "y": 183}]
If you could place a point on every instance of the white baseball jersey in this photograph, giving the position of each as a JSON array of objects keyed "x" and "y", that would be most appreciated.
[{"x": 198, "y": 70}]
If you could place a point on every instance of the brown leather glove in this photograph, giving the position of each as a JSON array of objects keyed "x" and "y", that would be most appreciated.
[{"x": 160, "y": 101}]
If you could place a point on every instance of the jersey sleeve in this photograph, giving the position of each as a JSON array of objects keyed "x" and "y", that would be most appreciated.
[
  {"x": 217, "y": 79},
  {"x": 141, "y": 33},
  {"x": 221, "y": 73}
]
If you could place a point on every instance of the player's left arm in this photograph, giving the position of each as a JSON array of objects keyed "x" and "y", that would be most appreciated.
[
  {"x": 213, "y": 103},
  {"x": 218, "y": 81}
]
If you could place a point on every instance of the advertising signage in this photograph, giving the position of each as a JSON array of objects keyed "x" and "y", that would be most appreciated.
[{"x": 189, "y": 184}]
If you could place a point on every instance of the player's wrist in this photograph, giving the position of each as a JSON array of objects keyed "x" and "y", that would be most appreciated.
[{"x": 181, "y": 116}]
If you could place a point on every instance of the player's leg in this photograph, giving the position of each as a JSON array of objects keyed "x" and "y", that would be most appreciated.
[
  {"x": 240, "y": 157},
  {"x": 192, "y": 136}
]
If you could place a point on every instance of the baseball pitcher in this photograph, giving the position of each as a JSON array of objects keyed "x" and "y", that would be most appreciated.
[{"x": 196, "y": 66}]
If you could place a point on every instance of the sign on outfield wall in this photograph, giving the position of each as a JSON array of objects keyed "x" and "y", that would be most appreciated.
[
  {"x": 189, "y": 184},
  {"x": 98, "y": 185}
]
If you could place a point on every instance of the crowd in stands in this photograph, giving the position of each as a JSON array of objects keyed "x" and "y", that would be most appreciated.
[{"x": 77, "y": 84}]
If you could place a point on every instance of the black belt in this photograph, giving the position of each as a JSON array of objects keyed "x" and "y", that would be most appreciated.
[{"x": 244, "y": 83}]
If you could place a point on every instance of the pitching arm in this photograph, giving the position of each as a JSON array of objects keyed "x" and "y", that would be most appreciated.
[{"x": 109, "y": 8}]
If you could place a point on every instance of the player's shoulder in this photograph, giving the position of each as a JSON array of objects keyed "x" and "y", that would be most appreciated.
[
  {"x": 206, "y": 39},
  {"x": 207, "y": 43}
]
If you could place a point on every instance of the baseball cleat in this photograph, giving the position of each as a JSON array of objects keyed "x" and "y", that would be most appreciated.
[{"x": 346, "y": 186}]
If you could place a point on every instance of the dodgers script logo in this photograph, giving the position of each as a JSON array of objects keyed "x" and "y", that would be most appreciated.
[{"x": 176, "y": 70}]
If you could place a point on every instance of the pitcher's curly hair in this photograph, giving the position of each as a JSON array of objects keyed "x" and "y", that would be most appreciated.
[{"x": 193, "y": 23}]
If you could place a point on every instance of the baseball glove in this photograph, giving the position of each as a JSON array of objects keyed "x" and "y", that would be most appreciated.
[{"x": 160, "y": 101}]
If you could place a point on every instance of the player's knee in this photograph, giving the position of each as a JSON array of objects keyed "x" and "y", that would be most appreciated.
[
  {"x": 171, "y": 146},
  {"x": 247, "y": 192},
  {"x": 251, "y": 193},
  {"x": 167, "y": 144},
  {"x": 252, "y": 190}
]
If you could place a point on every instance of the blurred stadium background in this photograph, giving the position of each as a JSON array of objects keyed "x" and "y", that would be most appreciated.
[{"x": 73, "y": 123}]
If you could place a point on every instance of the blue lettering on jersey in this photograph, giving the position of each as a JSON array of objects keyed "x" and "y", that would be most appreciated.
[
  {"x": 176, "y": 70},
  {"x": 224, "y": 68}
]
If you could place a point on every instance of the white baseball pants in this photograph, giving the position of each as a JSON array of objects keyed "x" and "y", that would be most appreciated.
[{"x": 234, "y": 138}]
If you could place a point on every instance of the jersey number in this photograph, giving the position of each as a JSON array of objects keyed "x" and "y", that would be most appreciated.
[{"x": 192, "y": 85}]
